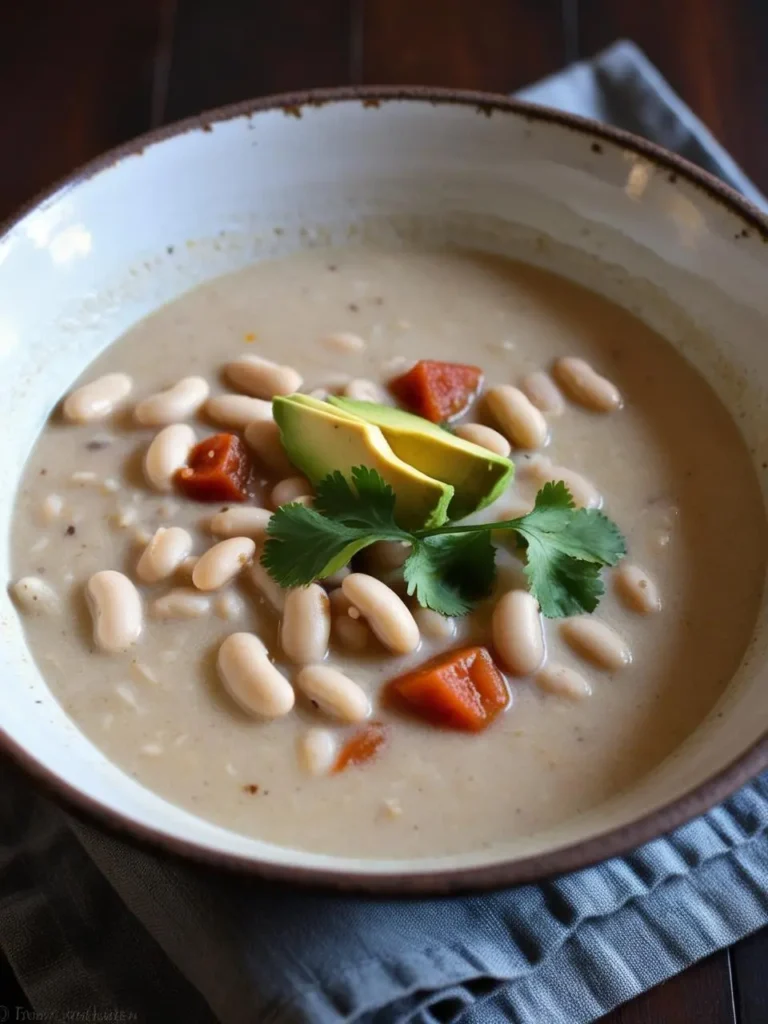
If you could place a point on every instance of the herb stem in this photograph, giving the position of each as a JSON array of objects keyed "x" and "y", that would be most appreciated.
[{"x": 504, "y": 524}]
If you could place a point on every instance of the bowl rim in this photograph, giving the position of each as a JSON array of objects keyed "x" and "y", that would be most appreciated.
[{"x": 573, "y": 856}]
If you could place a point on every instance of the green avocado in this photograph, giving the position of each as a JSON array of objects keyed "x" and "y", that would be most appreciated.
[
  {"x": 319, "y": 440},
  {"x": 477, "y": 476}
]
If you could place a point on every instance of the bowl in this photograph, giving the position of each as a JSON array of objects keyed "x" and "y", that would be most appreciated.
[{"x": 206, "y": 196}]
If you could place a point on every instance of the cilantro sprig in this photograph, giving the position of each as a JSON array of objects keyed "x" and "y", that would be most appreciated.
[{"x": 450, "y": 568}]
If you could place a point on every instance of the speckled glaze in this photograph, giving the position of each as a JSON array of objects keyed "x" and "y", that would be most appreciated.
[{"x": 207, "y": 196}]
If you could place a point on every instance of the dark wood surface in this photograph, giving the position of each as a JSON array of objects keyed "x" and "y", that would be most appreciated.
[
  {"x": 713, "y": 52},
  {"x": 80, "y": 76}
]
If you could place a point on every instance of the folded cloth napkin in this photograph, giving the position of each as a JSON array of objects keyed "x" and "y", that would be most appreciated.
[
  {"x": 89, "y": 922},
  {"x": 621, "y": 87}
]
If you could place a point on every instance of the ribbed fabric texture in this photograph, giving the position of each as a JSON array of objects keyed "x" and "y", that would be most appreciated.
[{"x": 87, "y": 921}]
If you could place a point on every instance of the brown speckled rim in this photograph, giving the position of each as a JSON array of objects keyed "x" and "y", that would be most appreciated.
[{"x": 449, "y": 880}]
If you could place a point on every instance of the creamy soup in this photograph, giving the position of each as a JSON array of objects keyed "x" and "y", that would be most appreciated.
[{"x": 587, "y": 716}]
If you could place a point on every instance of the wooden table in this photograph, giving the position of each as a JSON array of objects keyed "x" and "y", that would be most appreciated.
[{"x": 78, "y": 77}]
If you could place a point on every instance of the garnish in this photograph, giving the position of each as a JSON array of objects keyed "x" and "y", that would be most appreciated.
[
  {"x": 450, "y": 567},
  {"x": 306, "y": 544}
]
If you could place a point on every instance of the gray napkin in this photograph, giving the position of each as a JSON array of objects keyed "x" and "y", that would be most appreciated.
[
  {"x": 89, "y": 921},
  {"x": 621, "y": 87}
]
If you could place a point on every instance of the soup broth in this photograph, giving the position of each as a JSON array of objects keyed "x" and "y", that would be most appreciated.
[{"x": 668, "y": 466}]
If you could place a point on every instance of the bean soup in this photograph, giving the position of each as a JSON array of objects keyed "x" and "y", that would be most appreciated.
[{"x": 318, "y": 551}]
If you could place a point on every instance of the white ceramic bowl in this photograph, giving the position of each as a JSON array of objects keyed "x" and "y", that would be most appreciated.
[{"x": 204, "y": 197}]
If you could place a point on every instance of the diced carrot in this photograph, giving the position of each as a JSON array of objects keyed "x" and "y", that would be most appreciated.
[
  {"x": 437, "y": 391},
  {"x": 461, "y": 690},
  {"x": 217, "y": 470},
  {"x": 362, "y": 746}
]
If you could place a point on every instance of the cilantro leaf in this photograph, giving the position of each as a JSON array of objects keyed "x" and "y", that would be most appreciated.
[
  {"x": 561, "y": 584},
  {"x": 450, "y": 572},
  {"x": 369, "y": 504},
  {"x": 583, "y": 533},
  {"x": 566, "y": 547},
  {"x": 450, "y": 567},
  {"x": 305, "y": 544}
]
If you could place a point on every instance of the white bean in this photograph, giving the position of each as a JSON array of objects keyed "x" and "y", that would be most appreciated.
[
  {"x": 513, "y": 507},
  {"x": 543, "y": 392},
  {"x": 141, "y": 536},
  {"x": 177, "y": 403},
  {"x": 221, "y": 563},
  {"x": 396, "y": 366},
  {"x": 351, "y": 633},
  {"x": 271, "y": 591},
  {"x": 143, "y": 673},
  {"x": 485, "y": 437},
  {"x": 164, "y": 554},
  {"x": 237, "y": 411},
  {"x": 290, "y": 490},
  {"x": 122, "y": 518},
  {"x": 532, "y": 467},
  {"x": 434, "y": 625},
  {"x": 181, "y": 603},
  {"x": 35, "y": 597},
  {"x": 167, "y": 454},
  {"x": 596, "y": 642},
  {"x": 306, "y": 626},
  {"x": 366, "y": 391},
  {"x": 585, "y": 386},
  {"x": 317, "y": 750},
  {"x": 115, "y": 607},
  {"x": 263, "y": 437},
  {"x": 584, "y": 493},
  {"x": 336, "y": 694},
  {"x": 97, "y": 400},
  {"x": 52, "y": 507},
  {"x": 262, "y": 378},
  {"x": 335, "y": 383},
  {"x": 186, "y": 568},
  {"x": 517, "y": 633},
  {"x": 562, "y": 681},
  {"x": 344, "y": 342},
  {"x": 386, "y": 614},
  {"x": 339, "y": 602},
  {"x": 241, "y": 521},
  {"x": 167, "y": 509},
  {"x": 387, "y": 555},
  {"x": 334, "y": 580},
  {"x": 251, "y": 679},
  {"x": 636, "y": 589},
  {"x": 518, "y": 418},
  {"x": 391, "y": 807},
  {"x": 229, "y": 605}
]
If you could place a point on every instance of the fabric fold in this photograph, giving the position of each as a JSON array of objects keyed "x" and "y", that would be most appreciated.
[{"x": 612, "y": 930}]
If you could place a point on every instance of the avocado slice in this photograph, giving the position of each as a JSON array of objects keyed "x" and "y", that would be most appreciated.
[
  {"x": 320, "y": 439},
  {"x": 477, "y": 476}
]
